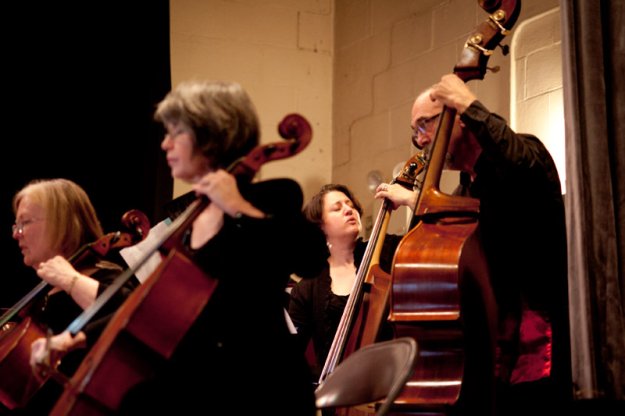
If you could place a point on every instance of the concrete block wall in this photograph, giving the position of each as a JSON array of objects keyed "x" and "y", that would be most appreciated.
[
  {"x": 281, "y": 51},
  {"x": 351, "y": 67},
  {"x": 537, "y": 107},
  {"x": 386, "y": 52}
]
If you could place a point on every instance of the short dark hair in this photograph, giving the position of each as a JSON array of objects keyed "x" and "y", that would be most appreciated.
[
  {"x": 314, "y": 208},
  {"x": 220, "y": 113}
]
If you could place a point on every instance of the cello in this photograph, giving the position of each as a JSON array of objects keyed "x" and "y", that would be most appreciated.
[
  {"x": 17, "y": 383},
  {"x": 368, "y": 298},
  {"x": 133, "y": 346},
  {"x": 441, "y": 294}
]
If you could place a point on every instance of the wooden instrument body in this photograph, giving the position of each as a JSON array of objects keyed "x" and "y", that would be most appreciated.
[
  {"x": 130, "y": 347},
  {"x": 441, "y": 293},
  {"x": 367, "y": 305},
  {"x": 18, "y": 384},
  {"x": 370, "y": 298},
  {"x": 372, "y": 308},
  {"x": 146, "y": 330},
  {"x": 441, "y": 296}
]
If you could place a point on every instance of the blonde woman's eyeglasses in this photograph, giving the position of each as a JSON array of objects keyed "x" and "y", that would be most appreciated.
[{"x": 18, "y": 227}]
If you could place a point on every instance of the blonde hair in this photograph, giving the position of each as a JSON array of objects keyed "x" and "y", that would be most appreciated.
[{"x": 71, "y": 218}]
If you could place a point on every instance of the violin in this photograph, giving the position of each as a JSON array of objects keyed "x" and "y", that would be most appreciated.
[
  {"x": 17, "y": 383},
  {"x": 441, "y": 294},
  {"x": 132, "y": 347}
]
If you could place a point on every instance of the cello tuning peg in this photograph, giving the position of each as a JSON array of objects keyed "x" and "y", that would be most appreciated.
[
  {"x": 494, "y": 69},
  {"x": 505, "y": 49}
]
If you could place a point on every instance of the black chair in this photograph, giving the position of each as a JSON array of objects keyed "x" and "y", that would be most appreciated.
[{"x": 372, "y": 373}]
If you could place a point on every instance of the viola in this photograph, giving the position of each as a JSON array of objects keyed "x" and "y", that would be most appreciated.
[
  {"x": 441, "y": 293},
  {"x": 19, "y": 328},
  {"x": 132, "y": 347}
]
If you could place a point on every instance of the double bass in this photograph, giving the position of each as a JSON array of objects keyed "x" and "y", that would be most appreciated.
[
  {"x": 19, "y": 326},
  {"x": 441, "y": 294},
  {"x": 145, "y": 331},
  {"x": 368, "y": 299}
]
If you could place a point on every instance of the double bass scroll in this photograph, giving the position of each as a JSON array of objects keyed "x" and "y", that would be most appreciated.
[{"x": 441, "y": 293}]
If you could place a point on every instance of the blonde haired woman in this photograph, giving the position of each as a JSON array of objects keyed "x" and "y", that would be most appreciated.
[{"x": 54, "y": 218}]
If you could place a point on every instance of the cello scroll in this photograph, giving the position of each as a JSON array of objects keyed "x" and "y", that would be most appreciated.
[
  {"x": 132, "y": 347},
  {"x": 297, "y": 132}
]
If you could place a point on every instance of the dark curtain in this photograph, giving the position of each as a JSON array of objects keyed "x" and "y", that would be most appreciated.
[
  {"x": 80, "y": 84},
  {"x": 594, "y": 103}
]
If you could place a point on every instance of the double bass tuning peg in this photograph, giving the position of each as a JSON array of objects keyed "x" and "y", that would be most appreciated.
[{"x": 505, "y": 49}]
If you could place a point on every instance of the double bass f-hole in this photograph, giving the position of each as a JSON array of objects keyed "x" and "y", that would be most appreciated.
[{"x": 441, "y": 294}]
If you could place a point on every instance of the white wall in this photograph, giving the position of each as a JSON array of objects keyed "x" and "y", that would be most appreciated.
[{"x": 536, "y": 83}]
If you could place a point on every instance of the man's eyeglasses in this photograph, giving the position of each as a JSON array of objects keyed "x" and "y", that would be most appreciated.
[
  {"x": 18, "y": 227},
  {"x": 422, "y": 126},
  {"x": 424, "y": 123}
]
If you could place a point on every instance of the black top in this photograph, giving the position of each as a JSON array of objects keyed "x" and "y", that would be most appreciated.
[
  {"x": 238, "y": 357},
  {"x": 316, "y": 311},
  {"x": 523, "y": 229},
  {"x": 56, "y": 312}
]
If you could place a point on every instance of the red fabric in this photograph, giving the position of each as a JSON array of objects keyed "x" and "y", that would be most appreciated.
[
  {"x": 535, "y": 343},
  {"x": 524, "y": 349}
]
